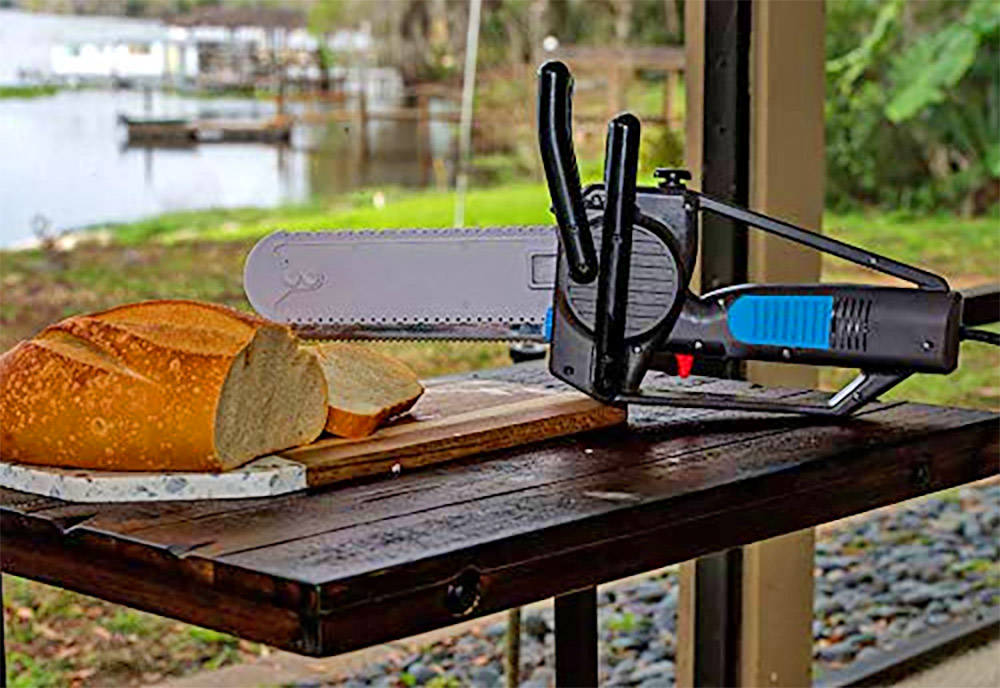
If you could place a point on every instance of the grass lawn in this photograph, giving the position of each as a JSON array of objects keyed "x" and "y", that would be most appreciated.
[
  {"x": 23, "y": 92},
  {"x": 57, "y": 638}
]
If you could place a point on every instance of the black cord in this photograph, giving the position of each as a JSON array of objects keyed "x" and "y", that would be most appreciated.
[{"x": 981, "y": 336}]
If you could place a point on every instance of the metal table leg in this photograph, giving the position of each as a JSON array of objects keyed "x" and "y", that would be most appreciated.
[
  {"x": 718, "y": 608},
  {"x": 576, "y": 639}
]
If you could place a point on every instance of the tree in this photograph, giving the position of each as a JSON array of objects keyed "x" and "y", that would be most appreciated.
[{"x": 913, "y": 119}]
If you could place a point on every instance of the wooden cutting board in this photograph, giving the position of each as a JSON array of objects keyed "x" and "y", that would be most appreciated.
[{"x": 453, "y": 419}]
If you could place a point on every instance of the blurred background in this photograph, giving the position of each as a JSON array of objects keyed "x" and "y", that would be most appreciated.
[{"x": 146, "y": 144}]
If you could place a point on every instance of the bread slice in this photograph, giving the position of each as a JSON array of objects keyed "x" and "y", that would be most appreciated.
[
  {"x": 159, "y": 386},
  {"x": 366, "y": 388}
]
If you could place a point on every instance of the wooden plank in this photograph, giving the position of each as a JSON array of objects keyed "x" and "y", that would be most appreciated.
[
  {"x": 577, "y": 503},
  {"x": 154, "y": 581},
  {"x": 27, "y": 503}
]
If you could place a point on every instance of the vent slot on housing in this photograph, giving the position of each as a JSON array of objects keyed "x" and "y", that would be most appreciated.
[{"x": 850, "y": 324}]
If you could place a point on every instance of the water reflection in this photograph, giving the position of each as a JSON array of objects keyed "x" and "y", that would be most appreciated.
[{"x": 66, "y": 158}]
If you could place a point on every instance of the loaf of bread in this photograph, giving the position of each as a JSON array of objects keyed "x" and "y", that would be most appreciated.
[
  {"x": 366, "y": 388},
  {"x": 160, "y": 385}
]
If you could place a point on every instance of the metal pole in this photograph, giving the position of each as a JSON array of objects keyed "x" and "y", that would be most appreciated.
[
  {"x": 3, "y": 641},
  {"x": 576, "y": 639},
  {"x": 512, "y": 655},
  {"x": 465, "y": 125},
  {"x": 724, "y": 261}
]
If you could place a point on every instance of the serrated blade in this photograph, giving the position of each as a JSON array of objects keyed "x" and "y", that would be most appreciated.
[{"x": 483, "y": 284}]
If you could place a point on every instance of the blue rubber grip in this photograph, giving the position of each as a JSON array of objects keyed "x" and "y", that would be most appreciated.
[{"x": 792, "y": 321}]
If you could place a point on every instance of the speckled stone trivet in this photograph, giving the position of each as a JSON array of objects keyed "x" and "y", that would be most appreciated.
[{"x": 264, "y": 477}]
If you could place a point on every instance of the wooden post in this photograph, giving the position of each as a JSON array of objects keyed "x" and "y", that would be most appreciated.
[
  {"x": 786, "y": 153},
  {"x": 362, "y": 115},
  {"x": 787, "y": 178},
  {"x": 669, "y": 102},
  {"x": 512, "y": 652},
  {"x": 424, "y": 152},
  {"x": 614, "y": 73},
  {"x": 694, "y": 88}
]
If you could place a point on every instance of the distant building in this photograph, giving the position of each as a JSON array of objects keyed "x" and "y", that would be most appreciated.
[
  {"x": 108, "y": 49},
  {"x": 212, "y": 47},
  {"x": 138, "y": 58}
]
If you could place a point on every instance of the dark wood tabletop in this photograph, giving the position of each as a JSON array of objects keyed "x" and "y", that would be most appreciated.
[{"x": 331, "y": 570}]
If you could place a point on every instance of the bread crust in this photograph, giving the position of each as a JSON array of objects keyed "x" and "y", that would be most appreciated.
[
  {"x": 132, "y": 388},
  {"x": 345, "y": 417},
  {"x": 344, "y": 423}
]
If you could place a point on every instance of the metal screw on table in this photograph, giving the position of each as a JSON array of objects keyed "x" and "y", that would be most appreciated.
[{"x": 464, "y": 594}]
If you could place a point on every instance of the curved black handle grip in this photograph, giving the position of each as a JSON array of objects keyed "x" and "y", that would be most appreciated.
[
  {"x": 621, "y": 165},
  {"x": 555, "y": 139}
]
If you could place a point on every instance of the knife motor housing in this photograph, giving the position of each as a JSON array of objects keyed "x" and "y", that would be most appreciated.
[{"x": 626, "y": 254}]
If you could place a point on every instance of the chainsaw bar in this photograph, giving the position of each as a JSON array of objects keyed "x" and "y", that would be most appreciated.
[{"x": 480, "y": 284}]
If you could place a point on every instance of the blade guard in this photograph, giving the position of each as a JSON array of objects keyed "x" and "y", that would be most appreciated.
[{"x": 428, "y": 282}]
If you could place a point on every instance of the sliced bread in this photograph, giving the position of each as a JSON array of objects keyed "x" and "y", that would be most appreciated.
[
  {"x": 159, "y": 386},
  {"x": 366, "y": 387}
]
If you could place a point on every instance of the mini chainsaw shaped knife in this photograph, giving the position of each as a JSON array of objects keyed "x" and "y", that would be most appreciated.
[{"x": 608, "y": 288}]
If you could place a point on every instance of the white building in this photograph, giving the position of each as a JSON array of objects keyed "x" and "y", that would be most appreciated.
[{"x": 147, "y": 52}]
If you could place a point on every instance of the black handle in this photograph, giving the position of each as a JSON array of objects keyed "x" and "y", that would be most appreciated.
[
  {"x": 621, "y": 166},
  {"x": 886, "y": 329},
  {"x": 555, "y": 140}
]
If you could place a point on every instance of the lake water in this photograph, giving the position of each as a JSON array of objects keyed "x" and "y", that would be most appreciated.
[{"x": 64, "y": 162}]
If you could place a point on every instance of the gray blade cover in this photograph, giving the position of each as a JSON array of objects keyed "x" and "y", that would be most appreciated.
[{"x": 493, "y": 283}]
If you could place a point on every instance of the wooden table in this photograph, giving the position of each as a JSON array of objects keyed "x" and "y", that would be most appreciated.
[{"x": 338, "y": 569}]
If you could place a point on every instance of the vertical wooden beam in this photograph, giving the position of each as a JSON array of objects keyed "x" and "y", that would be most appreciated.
[
  {"x": 776, "y": 648},
  {"x": 787, "y": 178},
  {"x": 787, "y": 174},
  {"x": 670, "y": 114},
  {"x": 694, "y": 88},
  {"x": 787, "y": 91}
]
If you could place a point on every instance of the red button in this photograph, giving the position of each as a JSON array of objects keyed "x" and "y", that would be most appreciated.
[{"x": 684, "y": 364}]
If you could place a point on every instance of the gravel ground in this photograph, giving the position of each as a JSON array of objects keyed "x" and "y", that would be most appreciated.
[{"x": 880, "y": 578}]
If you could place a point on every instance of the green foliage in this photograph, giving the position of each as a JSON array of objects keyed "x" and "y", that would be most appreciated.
[
  {"x": 444, "y": 681},
  {"x": 660, "y": 147},
  {"x": 26, "y": 672},
  {"x": 327, "y": 16},
  {"x": 208, "y": 636},
  {"x": 518, "y": 204},
  {"x": 623, "y": 623},
  {"x": 126, "y": 622},
  {"x": 913, "y": 109}
]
